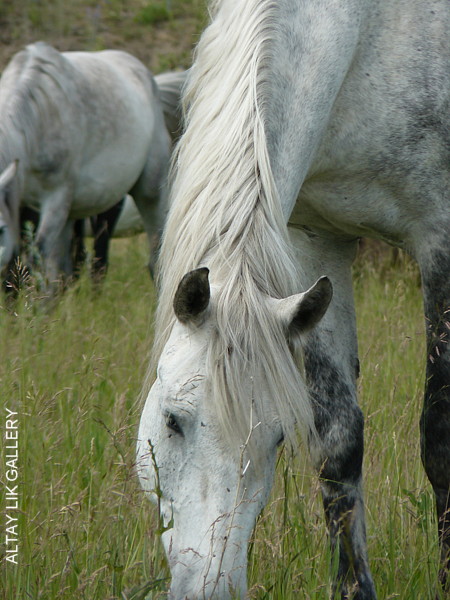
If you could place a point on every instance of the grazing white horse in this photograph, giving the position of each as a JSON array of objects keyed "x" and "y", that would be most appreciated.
[
  {"x": 78, "y": 130},
  {"x": 170, "y": 85},
  {"x": 309, "y": 124}
]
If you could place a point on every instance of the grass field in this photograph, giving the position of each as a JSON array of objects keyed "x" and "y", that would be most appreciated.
[{"x": 85, "y": 530}]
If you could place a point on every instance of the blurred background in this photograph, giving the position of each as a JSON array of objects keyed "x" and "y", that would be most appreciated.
[{"x": 160, "y": 33}]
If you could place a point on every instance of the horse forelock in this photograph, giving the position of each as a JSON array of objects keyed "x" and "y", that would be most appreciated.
[{"x": 225, "y": 214}]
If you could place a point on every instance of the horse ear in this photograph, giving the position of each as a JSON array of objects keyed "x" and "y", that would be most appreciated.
[
  {"x": 192, "y": 296},
  {"x": 301, "y": 312},
  {"x": 8, "y": 174}
]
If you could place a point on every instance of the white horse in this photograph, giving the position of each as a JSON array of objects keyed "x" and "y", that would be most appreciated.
[
  {"x": 330, "y": 117},
  {"x": 170, "y": 85},
  {"x": 78, "y": 130}
]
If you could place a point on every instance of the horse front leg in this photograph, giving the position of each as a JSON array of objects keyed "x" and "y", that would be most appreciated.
[
  {"x": 53, "y": 240},
  {"x": 331, "y": 368},
  {"x": 338, "y": 457},
  {"x": 435, "y": 421}
]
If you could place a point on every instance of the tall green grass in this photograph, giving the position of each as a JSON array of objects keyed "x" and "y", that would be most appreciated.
[{"x": 87, "y": 532}]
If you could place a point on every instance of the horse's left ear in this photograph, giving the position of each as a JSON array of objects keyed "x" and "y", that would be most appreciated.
[
  {"x": 192, "y": 296},
  {"x": 8, "y": 174},
  {"x": 301, "y": 312}
]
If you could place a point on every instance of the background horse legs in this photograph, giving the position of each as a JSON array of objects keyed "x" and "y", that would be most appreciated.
[
  {"x": 103, "y": 226},
  {"x": 435, "y": 422},
  {"x": 331, "y": 365},
  {"x": 54, "y": 237},
  {"x": 78, "y": 250}
]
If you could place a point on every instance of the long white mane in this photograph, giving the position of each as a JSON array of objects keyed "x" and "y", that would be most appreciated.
[{"x": 226, "y": 215}]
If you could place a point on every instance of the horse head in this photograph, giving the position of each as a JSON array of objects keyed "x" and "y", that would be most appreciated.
[{"x": 208, "y": 491}]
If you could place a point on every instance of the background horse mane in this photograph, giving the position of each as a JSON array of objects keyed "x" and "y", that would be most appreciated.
[
  {"x": 226, "y": 215},
  {"x": 34, "y": 78}
]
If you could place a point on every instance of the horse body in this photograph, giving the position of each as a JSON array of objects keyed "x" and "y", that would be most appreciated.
[
  {"x": 109, "y": 70},
  {"x": 87, "y": 128},
  {"x": 331, "y": 117}
]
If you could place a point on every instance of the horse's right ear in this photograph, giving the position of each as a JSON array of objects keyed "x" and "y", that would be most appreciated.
[
  {"x": 8, "y": 174},
  {"x": 302, "y": 312},
  {"x": 192, "y": 296}
]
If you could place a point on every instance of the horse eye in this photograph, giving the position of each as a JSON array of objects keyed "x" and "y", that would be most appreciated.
[{"x": 172, "y": 424}]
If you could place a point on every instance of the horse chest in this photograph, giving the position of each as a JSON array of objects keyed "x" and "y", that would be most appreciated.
[
  {"x": 371, "y": 173},
  {"x": 348, "y": 209},
  {"x": 381, "y": 158}
]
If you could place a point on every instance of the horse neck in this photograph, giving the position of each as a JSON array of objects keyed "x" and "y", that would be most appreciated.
[
  {"x": 11, "y": 145},
  {"x": 10, "y": 209},
  {"x": 12, "y": 148},
  {"x": 17, "y": 128},
  {"x": 305, "y": 81},
  {"x": 28, "y": 89}
]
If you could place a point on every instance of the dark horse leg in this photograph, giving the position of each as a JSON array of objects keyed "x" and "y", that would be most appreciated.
[
  {"x": 331, "y": 366},
  {"x": 435, "y": 421},
  {"x": 102, "y": 229},
  {"x": 78, "y": 249}
]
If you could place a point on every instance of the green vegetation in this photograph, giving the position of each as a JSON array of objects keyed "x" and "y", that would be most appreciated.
[
  {"x": 155, "y": 12},
  {"x": 161, "y": 33},
  {"x": 87, "y": 532}
]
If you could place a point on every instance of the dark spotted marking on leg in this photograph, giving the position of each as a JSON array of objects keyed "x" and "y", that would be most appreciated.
[
  {"x": 334, "y": 405},
  {"x": 435, "y": 420},
  {"x": 340, "y": 425},
  {"x": 353, "y": 578}
]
